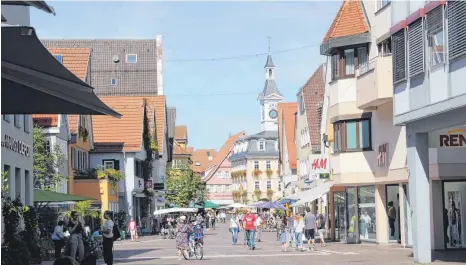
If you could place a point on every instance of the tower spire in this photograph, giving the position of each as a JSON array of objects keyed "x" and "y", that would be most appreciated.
[
  {"x": 269, "y": 38},
  {"x": 269, "y": 63}
]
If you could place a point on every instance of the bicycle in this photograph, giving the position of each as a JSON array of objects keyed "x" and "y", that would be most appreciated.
[{"x": 195, "y": 249}]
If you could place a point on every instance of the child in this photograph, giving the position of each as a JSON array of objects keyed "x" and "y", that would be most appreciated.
[{"x": 283, "y": 238}]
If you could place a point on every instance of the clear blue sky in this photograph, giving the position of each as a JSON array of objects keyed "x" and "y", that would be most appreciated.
[{"x": 204, "y": 30}]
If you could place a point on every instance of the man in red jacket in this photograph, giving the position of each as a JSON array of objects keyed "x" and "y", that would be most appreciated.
[{"x": 249, "y": 221}]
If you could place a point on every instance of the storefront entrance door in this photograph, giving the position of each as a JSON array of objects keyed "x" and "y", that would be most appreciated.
[{"x": 339, "y": 207}]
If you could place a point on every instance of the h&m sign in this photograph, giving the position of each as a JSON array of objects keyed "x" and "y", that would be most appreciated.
[{"x": 319, "y": 164}]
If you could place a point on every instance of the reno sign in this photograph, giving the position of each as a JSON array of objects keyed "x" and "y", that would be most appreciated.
[
  {"x": 319, "y": 164},
  {"x": 450, "y": 138}
]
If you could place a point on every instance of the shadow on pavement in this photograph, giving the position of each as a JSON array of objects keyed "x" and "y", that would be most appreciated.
[
  {"x": 127, "y": 253},
  {"x": 449, "y": 256}
]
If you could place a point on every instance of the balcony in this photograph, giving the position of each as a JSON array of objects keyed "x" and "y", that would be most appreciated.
[
  {"x": 342, "y": 100},
  {"x": 374, "y": 83}
]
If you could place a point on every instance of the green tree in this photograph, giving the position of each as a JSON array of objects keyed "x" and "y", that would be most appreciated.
[
  {"x": 184, "y": 186},
  {"x": 84, "y": 209},
  {"x": 46, "y": 162}
]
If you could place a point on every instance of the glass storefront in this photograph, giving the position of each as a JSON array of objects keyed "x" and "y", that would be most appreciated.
[
  {"x": 367, "y": 214},
  {"x": 339, "y": 215},
  {"x": 350, "y": 216},
  {"x": 393, "y": 212},
  {"x": 454, "y": 218}
]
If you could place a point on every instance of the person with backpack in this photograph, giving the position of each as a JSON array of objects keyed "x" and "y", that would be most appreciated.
[{"x": 108, "y": 237}]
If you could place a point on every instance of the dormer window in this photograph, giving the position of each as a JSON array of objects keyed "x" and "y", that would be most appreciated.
[
  {"x": 262, "y": 145},
  {"x": 198, "y": 164},
  {"x": 131, "y": 58}
]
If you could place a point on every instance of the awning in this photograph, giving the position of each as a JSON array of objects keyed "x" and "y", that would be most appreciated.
[
  {"x": 42, "y": 5},
  {"x": 34, "y": 82},
  {"x": 45, "y": 196},
  {"x": 312, "y": 194},
  {"x": 208, "y": 205}
]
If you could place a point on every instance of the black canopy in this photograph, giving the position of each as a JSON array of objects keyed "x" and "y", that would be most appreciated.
[{"x": 34, "y": 82}]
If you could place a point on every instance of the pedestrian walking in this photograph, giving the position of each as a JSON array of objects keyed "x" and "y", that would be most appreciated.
[
  {"x": 76, "y": 229},
  {"x": 290, "y": 225},
  {"x": 310, "y": 227},
  {"x": 213, "y": 219},
  {"x": 107, "y": 233},
  {"x": 249, "y": 222},
  {"x": 279, "y": 225},
  {"x": 234, "y": 227},
  {"x": 132, "y": 229},
  {"x": 321, "y": 229},
  {"x": 182, "y": 230},
  {"x": 299, "y": 229},
  {"x": 283, "y": 239},
  {"x": 258, "y": 225},
  {"x": 58, "y": 238}
]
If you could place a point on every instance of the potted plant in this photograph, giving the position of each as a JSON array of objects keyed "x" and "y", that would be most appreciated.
[
  {"x": 257, "y": 172},
  {"x": 269, "y": 172},
  {"x": 257, "y": 193},
  {"x": 111, "y": 174},
  {"x": 269, "y": 194}
]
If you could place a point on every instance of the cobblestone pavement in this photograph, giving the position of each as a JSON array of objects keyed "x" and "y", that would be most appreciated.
[{"x": 219, "y": 250}]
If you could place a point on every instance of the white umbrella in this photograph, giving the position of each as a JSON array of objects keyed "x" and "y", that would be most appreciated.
[
  {"x": 175, "y": 210},
  {"x": 237, "y": 205}
]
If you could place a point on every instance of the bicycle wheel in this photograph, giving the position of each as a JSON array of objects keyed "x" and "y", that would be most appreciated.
[
  {"x": 198, "y": 251},
  {"x": 186, "y": 254}
]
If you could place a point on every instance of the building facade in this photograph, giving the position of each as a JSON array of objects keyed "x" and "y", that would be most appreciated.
[
  {"x": 17, "y": 156},
  {"x": 430, "y": 101},
  {"x": 287, "y": 148},
  {"x": 368, "y": 154},
  {"x": 219, "y": 176}
]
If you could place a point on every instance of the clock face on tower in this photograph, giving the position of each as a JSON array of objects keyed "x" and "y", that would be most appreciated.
[{"x": 273, "y": 114}]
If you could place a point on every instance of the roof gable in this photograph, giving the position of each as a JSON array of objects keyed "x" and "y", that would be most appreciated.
[
  {"x": 350, "y": 20},
  {"x": 201, "y": 156},
  {"x": 181, "y": 132},
  {"x": 223, "y": 153},
  {"x": 313, "y": 94}
]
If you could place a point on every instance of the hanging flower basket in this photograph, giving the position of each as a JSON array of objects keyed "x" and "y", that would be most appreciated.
[
  {"x": 257, "y": 172},
  {"x": 269, "y": 172},
  {"x": 244, "y": 193},
  {"x": 243, "y": 173},
  {"x": 270, "y": 194}
]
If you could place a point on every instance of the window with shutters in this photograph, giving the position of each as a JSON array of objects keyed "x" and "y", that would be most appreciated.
[
  {"x": 109, "y": 164},
  {"x": 456, "y": 28},
  {"x": 399, "y": 56},
  {"x": 416, "y": 48},
  {"x": 434, "y": 24}
]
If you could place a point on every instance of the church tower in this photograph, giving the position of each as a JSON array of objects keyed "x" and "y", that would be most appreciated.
[{"x": 269, "y": 97}]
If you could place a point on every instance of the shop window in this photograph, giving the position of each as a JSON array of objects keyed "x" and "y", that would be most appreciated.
[
  {"x": 453, "y": 216},
  {"x": 352, "y": 135},
  {"x": 350, "y": 217},
  {"x": 367, "y": 214}
]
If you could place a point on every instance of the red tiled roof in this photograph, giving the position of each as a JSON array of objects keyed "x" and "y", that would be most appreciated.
[
  {"x": 350, "y": 20},
  {"x": 45, "y": 120},
  {"x": 74, "y": 59},
  {"x": 201, "y": 156},
  {"x": 223, "y": 153},
  {"x": 181, "y": 132},
  {"x": 128, "y": 129},
  {"x": 73, "y": 123},
  {"x": 179, "y": 150},
  {"x": 313, "y": 94}
]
